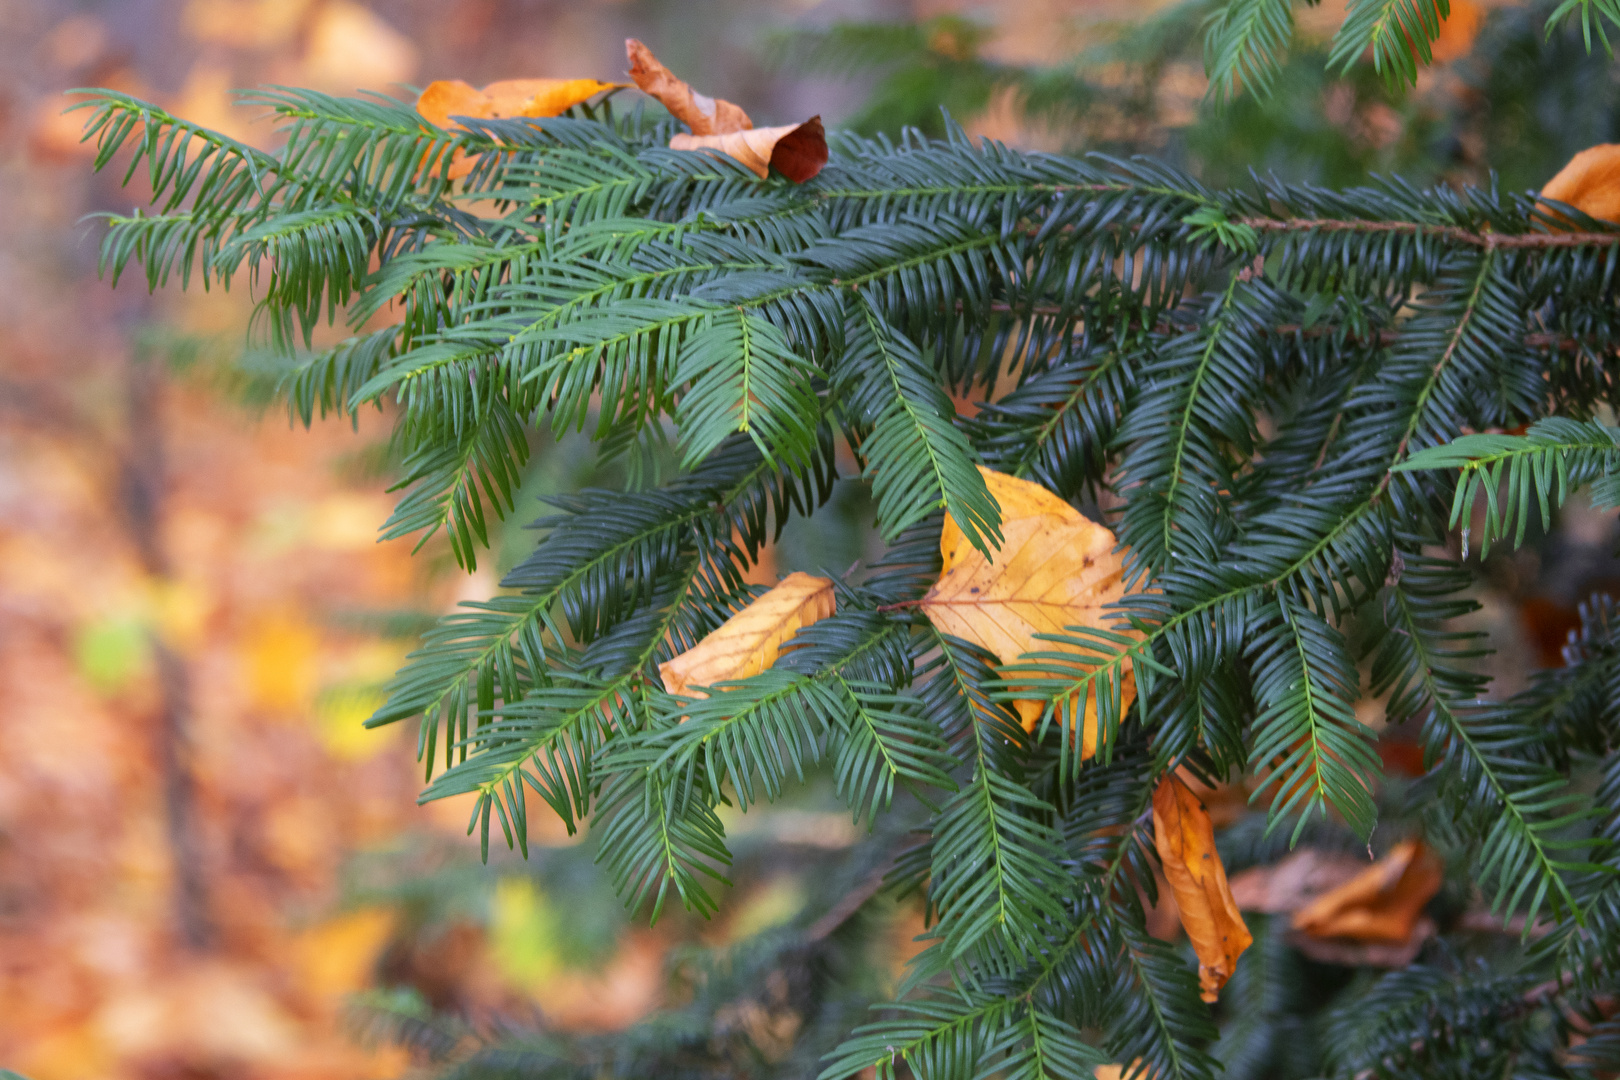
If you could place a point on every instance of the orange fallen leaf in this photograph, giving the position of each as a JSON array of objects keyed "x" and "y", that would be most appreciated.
[
  {"x": 751, "y": 640},
  {"x": 500, "y": 101},
  {"x": 1055, "y": 569},
  {"x": 1382, "y": 903},
  {"x": 1185, "y": 839},
  {"x": 797, "y": 151},
  {"x": 1590, "y": 182}
]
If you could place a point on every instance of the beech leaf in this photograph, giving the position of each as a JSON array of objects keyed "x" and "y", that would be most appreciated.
[
  {"x": 1185, "y": 839},
  {"x": 797, "y": 151},
  {"x": 751, "y": 640},
  {"x": 1055, "y": 569}
]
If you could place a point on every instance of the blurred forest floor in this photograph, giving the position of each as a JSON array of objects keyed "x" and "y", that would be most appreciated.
[
  {"x": 202, "y": 854},
  {"x": 195, "y": 616}
]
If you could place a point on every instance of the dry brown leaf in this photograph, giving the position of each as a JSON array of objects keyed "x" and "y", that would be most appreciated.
[
  {"x": 703, "y": 114},
  {"x": 1590, "y": 182},
  {"x": 797, "y": 151},
  {"x": 1185, "y": 839},
  {"x": 750, "y": 641},
  {"x": 1055, "y": 569},
  {"x": 1382, "y": 903}
]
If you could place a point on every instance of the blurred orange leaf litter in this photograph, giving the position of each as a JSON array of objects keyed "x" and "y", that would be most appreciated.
[{"x": 1380, "y": 904}]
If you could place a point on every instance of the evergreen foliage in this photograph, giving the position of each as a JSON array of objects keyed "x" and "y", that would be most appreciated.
[
  {"x": 1521, "y": 103},
  {"x": 1262, "y": 388}
]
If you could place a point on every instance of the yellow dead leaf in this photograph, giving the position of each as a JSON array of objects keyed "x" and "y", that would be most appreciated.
[
  {"x": 1185, "y": 839},
  {"x": 1055, "y": 569},
  {"x": 750, "y": 641},
  {"x": 703, "y": 114},
  {"x": 1590, "y": 182},
  {"x": 445, "y": 98},
  {"x": 1382, "y": 903},
  {"x": 797, "y": 151},
  {"x": 502, "y": 100}
]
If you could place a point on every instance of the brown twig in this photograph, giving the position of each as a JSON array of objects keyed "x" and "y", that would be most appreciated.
[
  {"x": 1536, "y": 340},
  {"x": 1488, "y": 240}
]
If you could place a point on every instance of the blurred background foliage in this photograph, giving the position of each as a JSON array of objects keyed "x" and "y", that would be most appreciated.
[{"x": 207, "y": 868}]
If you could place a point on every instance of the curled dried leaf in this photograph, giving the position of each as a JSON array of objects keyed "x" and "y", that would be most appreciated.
[
  {"x": 1383, "y": 903},
  {"x": 703, "y": 114},
  {"x": 1055, "y": 569},
  {"x": 1590, "y": 182},
  {"x": 1185, "y": 839},
  {"x": 797, "y": 151},
  {"x": 751, "y": 640}
]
